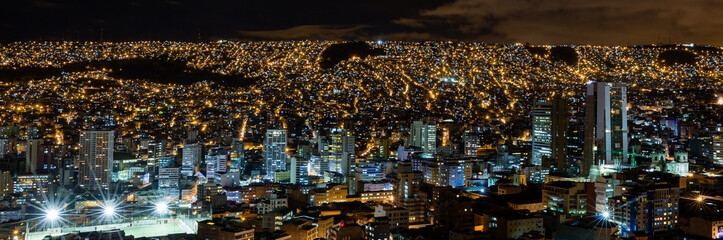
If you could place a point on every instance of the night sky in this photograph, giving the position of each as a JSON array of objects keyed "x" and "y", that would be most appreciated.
[{"x": 600, "y": 22}]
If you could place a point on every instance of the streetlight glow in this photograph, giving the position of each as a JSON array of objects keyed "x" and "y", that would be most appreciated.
[
  {"x": 52, "y": 214},
  {"x": 109, "y": 211},
  {"x": 161, "y": 208}
]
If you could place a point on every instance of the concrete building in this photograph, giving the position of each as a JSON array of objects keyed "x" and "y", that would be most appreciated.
[
  {"x": 566, "y": 197},
  {"x": 341, "y": 151},
  {"x": 32, "y": 188},
  {"x": 220, "y": 230},
  {"x": 95, "y": 159},
  {"x": 398, "y": 218},
  {"x": 265, "y": 205},
  {"x": 406, "y": 191},
  {"x": 191, "y": 159},
  {"x": 424, "y": 135},
  {"x": 549, "y": 133},
  {"x": 169, "y": 182},
  {"x": 707, "y": 226},
  {"x": 606, "y": 126},
  {"x": 452, "y": 209},
  {"x": 649, "y": 208}
]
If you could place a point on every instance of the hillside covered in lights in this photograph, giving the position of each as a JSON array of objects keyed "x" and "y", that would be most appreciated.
[{"x": 293, "y": 81}]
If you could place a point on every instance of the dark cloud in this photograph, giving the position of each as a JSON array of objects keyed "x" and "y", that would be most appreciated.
[
  {"x": 576, "y": 21},
  {"x": 325, "y": 32},
  {"x": 549, "y": 21}
]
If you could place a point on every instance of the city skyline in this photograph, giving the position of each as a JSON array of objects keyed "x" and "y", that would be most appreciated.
[{"x": 361, "y": 120}]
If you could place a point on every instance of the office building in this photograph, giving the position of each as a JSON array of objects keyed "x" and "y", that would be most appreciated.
[
  {"x": 567, "y": 198},
  {"x": 6, "y": 183},
  {"x": 215, "y": 166},
  {"x": 191, "y": 158},
  {"x": 322, "y": 165},
  {"x": 341, "y": 151},
  {"x": 406, "y": 191},
  {"x": 274, "y": 151},
  {"x": 471, "y": 144},
  {"x": 95, "y": 159},
  {"x": 32, "y": 188},
  {"x": 425, "y": 136},
  {"x": 169, "y": 182},
  {"x": 6, "y": 147},
  {"x": 38, "y": 156},
  {"x": 648, "y": 208},
  {"x": 549, "y": 133},
  {"x": 236, "y": 156},
  {"x": 299, "y": 170},
  {"x": 606, "y": 126}
]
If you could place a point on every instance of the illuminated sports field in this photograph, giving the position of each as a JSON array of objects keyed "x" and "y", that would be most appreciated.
[{"x": 139, "y": 229}]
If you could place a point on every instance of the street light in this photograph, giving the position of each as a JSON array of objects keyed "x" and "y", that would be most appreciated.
[
  {"x": 109, "y": 211},
  {"x": 52, "y": 214},
  {"x": 606, "y": 214},
  {"x": 161, "y": 208}
]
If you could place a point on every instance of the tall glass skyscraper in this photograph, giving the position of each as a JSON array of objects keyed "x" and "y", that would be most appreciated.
[
  {"x": 606, "y": 125},
  {"x": 274, "y": 151},
  {"x": 549, "y": 132}
]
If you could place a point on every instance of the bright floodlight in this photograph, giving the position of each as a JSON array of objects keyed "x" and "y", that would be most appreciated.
[
  {"x": 606, "y": 214},
  {"x": 109, "y": 211},
  {"x": 161, "y": 207},
  {"x": 699, "y": 199},
  {"x": 52, "y": 214}
]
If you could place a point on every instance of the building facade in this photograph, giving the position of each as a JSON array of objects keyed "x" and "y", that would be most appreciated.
[
  {"x": 95, "y": 159},
  {"x": 274, "y": 151}
]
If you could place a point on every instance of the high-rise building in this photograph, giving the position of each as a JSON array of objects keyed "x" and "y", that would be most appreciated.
[
  {"x": 215, "y": 166},
  {"x": 274, "y": 151},
  {"x": 323, "y": 162},
  {"x": 406, "y": 191},
  {"x": 236, "y": 156},
  {"x": 299, "y": 170},
  {"x": 451, "y": 172},
  {"x": 95, "y": 159},
  {"x": 549, "y": 132},
  {"x": 708, "y": 146},
  {"x": 34, "y": 155},
  {"x": 32, "y": 188},
  {"x": 651, "y": 209},
  {"x": 425, "y": 136},
  {"x": 5, "y": 147},
  {"x": 33, "y": 133},
  {"x": 157, "y": 149},
  {"x": 6, "y": 183},
  {"x": 169, "y": 182},
  {"x": 341, "y": 151},
  {"x": 300, "y": 166},
  {"x": 471, "y": 144},
  {"x": 191, "y": 158},
  {"x": 383, "y": 148},
  {"x": 606, "y": 125},
  {"x": 575, "y": 146}
]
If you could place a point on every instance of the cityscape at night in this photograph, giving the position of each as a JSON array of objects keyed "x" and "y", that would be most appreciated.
[{"x": 426, "y": 123}]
